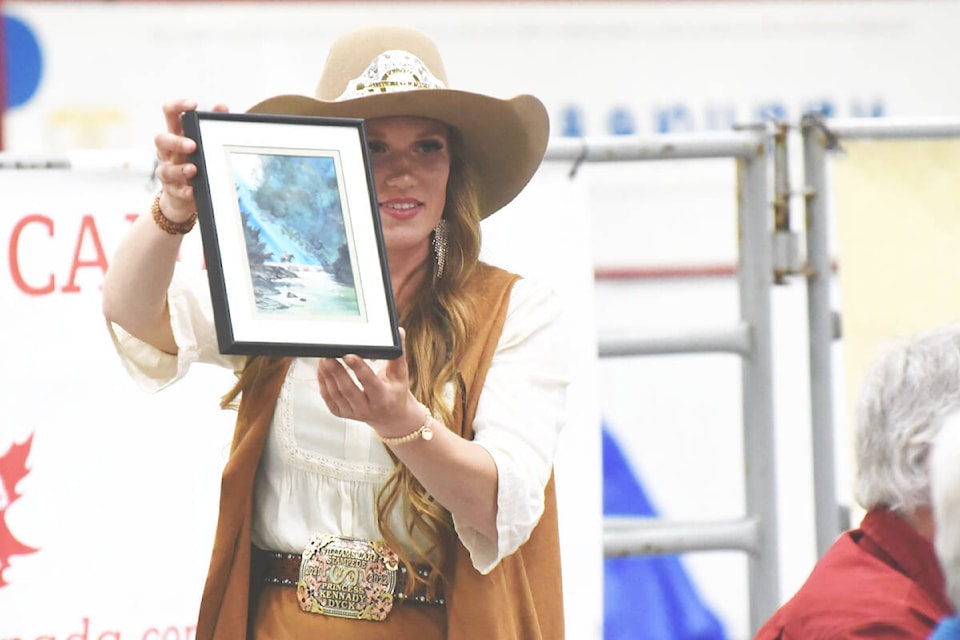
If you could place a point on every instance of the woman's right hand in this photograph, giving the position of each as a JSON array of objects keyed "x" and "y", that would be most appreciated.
[
  {"x": 135, "y": 285},
  {"x": 174, "y": 171}
]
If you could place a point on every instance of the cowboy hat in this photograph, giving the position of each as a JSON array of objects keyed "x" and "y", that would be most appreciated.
[{"x": 394, "y": 71}]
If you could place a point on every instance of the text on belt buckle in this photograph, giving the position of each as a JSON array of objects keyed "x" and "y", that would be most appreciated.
[{"x": 347, "y": 577}]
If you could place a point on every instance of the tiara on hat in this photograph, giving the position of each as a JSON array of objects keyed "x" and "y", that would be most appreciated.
[{"x": 391, "y": 71}]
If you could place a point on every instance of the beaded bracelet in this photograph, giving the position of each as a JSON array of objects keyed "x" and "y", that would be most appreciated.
[
  {"x": 168, "y": 225},
  {"x": 424, "y": 431}
]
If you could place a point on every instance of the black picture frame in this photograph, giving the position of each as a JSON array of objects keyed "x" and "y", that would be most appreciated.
[{"x": 291, "y": 236}]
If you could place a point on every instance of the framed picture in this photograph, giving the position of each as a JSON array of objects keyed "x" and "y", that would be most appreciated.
[{"x": 291, "y": 236}]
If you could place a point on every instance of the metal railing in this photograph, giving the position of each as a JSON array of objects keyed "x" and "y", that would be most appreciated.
[
  {"x": 821, "y": 137},
  {"x": 750, "y": 339}
]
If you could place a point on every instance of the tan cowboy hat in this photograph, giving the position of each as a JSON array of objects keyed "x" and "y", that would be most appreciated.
[{"x": 394, "y": 71}]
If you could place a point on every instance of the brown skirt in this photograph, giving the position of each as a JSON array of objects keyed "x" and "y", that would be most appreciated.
[{"x": 278, "y": 616}]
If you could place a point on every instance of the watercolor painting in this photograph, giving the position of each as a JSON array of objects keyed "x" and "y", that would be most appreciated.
[{"x": 297, "y": 240}]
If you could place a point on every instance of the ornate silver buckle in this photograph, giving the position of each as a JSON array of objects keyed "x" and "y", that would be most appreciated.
[{"x": 347, "y": 577}]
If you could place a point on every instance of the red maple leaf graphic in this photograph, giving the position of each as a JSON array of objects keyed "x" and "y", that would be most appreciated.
[{"x": 13, "y": 468}]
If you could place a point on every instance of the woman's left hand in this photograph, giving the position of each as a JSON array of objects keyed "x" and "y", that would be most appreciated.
[
  {"x": 460, "y": 474},
  {"x": 382, "y": 400}
]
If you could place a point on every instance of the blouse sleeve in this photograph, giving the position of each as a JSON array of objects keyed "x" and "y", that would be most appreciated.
[
  {"x": 191, "y": 318},
  {"x": 521, "y": 411}
]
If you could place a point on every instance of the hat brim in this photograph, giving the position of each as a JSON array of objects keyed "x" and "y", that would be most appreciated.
[{"x": 504, "y": 140}]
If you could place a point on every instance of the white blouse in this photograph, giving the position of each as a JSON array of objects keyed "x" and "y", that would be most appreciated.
[{"x": 321, "y": 474}]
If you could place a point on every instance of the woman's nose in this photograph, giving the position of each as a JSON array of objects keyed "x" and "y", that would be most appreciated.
[{"x": 399, "y": 173}]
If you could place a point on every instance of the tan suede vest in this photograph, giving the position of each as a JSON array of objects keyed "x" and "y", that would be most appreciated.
[{"x": 521, "y": 599}]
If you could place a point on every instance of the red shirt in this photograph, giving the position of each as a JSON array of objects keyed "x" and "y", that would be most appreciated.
[{"x": 881, "y": 581}]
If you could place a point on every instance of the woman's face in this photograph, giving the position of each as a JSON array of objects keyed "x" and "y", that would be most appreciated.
[{"x": 411, "y": 164}]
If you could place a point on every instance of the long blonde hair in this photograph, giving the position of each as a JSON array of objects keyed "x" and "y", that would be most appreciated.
[{"x": 436, "y": 325}]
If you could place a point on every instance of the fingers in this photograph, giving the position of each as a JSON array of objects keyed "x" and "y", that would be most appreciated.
[
  {"x": 173, "y": 170},
  {"x": 173, "y": 148},
  {"x": 397, "y": 369},
  {"x": 176, "y": 181},
  {"x": 341, "y": 394},
  {"x": 172, "y": 110},
  {"x": 175, "y": 175},
  {"x": 384, "y": 393},
  {"x": 352, "y": 389}
]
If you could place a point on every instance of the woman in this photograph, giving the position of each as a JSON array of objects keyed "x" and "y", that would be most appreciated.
[{"x": 415, "y": 494}]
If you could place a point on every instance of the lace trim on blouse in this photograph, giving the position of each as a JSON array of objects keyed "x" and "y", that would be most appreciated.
[{"x": 312, "y": 461}]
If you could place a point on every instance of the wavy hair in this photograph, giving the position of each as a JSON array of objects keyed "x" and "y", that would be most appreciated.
[
  {"x": 436, "y": 325},
  {"x": 903, "y": 402}
]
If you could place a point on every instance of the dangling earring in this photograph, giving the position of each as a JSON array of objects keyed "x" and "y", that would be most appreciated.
[{"x": 440, "y": 246}]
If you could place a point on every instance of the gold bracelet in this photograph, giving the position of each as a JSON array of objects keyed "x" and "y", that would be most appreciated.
[
  {"x": 424, "y": 431},
  {"x": 168, "y": 225}
]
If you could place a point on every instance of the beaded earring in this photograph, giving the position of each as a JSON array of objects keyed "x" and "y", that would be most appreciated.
[{"x": 440, "y": 246}]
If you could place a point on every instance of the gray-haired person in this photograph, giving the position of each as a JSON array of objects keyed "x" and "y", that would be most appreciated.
[{"x": 883, "y": 579}]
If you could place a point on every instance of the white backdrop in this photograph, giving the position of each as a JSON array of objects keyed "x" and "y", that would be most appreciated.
[{"x": 120, "y": 494}]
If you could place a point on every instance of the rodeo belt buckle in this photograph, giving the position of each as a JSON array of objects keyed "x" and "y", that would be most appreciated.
[{"x": 347, "y": 577}]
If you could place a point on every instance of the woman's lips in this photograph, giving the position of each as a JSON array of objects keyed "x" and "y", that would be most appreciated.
[{"x": 401, "y": 208}]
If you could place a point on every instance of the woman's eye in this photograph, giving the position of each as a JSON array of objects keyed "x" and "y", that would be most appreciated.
[
  {"x": 376, "y": 147},
  {"x": 429, "y": 146}
]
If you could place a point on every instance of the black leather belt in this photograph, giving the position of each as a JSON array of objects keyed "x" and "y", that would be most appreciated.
[{"x": 280, "y": 568}]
